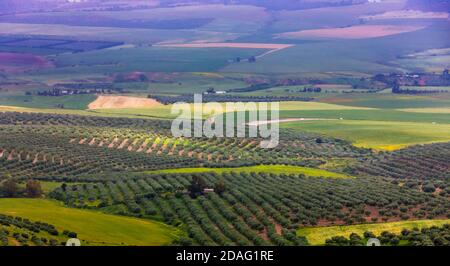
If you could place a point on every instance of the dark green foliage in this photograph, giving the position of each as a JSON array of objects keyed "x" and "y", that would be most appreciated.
[{"x": 255, "y": 208}]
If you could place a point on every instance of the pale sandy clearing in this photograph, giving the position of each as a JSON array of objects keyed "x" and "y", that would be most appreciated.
[
  {"x": 407, "y": 14},
  {"x": 111, "y": 102},
  {"x": 353, "y": 32}
]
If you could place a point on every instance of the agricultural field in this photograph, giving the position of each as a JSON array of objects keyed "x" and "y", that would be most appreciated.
[
  {"x": 238, "y": 216},
  {"x": 381, "y": 135},
  {"x": 75, "y": 102},
  {"x": 106, "y": 230},
  {"x": 272, "y": 169},
  {"x": 318, "y": 235},
  {"x": 87, "y": 142}
]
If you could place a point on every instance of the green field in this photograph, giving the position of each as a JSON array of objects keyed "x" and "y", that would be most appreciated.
[
  {"x": 318, "y": 235},
  {"x": 369, "y": 115},
  {"x": 273, "y": 169},
  {"x": 383, "y": 129},
  {"x": 95, "y": 228},
  {"x": 428, "y": 88},
  {"x": 165, "y": 111},
  {"x": 180, "y": 83},
  {"x": 69, "y": 101},
  {"x": 380, "y": 135},
  {"x": 148, "y": 59},
  {"x": 357, "y": 57},
  {"x": 47, "y": 186},
  {"x": 129, "y": 113},
  {"x": 129, "y": 35},
  {"x": 389, "y": 101},
  {"x": 442, "y": 110},
  {"x": 314, "y": 106},
  {"x": 154, "y": 112},
  {"x": 231, "y": 22}
]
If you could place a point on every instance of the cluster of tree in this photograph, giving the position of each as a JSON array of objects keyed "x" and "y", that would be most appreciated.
[
  {"x": 25, "y": 238},
  {"x": 15, "y": 118},
  {"x": 62, "y": 155},
  {"x": 120, "y": 78},
  {"x": 397, "y": 90},
  {"x": 245, "y": 206},
  {"x": 4, "y": 237},
  {"x": 253, "y": 87},
  {"x": 198, "y": 185},
  {"x": 189, "y": 98},
  {"x": 56, "y": 92},
  {"x": 83, "y": 86},
  {"x": 416, "y": 163},
  {"x": 10, "y": 189},
  {"x": 433, "y": 236},
  {"x": 24, "y": 232},
  {"x": 35, "y": 227},
  {"x": 395, "y": 80},
  {"x": 311, "y": 89}
]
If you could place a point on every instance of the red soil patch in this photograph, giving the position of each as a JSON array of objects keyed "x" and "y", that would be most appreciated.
[
  {"x": 263, "y": 234},
  {"x": 278, "y": 229},
  {"x": 16, "y": 63}
]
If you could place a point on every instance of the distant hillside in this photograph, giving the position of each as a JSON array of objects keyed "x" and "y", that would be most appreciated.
[
  {"x": 272, "y": 4},
  {"x": 429, "y": 5},
  {"x": 10, "y": 6}
]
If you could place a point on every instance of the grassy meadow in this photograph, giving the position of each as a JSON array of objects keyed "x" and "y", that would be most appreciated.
[
  {"x": 271, "y": 169},
  {"x": 379, "y": 135},
  {"x": 149, "y": 59},
  {"x": 318, "y": 235},
  {"x": 95, "y": 228},
  {"x": 78, "y": 102},
  {"x": 389, "y": 101}
]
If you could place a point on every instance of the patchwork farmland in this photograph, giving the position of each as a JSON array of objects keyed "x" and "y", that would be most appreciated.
[{"x": 87, "y": 90}]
